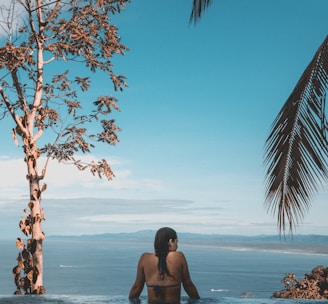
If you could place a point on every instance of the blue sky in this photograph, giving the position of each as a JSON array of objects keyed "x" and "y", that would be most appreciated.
[{"x": 194, "y": 121}]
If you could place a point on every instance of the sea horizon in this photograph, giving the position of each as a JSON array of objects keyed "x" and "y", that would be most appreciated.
[{"x": 302, "y": 243}]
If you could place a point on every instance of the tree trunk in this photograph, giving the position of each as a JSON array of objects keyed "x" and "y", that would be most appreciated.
[
  {"x": 32, "y": 155},
  {"x": 30, "y": 259}
]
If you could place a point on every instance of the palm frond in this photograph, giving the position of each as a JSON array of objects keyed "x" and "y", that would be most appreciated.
[
  {"x": 296, "y": 148},
  {"x": 199, "y": 6}
]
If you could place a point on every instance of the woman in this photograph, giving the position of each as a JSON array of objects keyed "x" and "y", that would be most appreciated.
[{"x": 163, "y": 271}]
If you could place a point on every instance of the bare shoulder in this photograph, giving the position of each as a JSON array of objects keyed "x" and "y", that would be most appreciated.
[
  {"x": 177, "y": 255},
  {"x": 146, "y": 256}
]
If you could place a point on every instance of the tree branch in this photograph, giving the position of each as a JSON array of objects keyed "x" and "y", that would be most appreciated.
[{"x": 11, "y": 109}]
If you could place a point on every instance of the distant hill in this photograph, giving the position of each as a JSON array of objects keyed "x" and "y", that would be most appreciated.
[{"x": 309, "y": 243}]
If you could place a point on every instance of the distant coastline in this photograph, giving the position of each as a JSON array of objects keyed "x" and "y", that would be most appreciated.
[{"x": 312, "y": 244}]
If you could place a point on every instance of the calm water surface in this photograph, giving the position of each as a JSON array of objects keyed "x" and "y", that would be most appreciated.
[{"x": 103, "y": 270}]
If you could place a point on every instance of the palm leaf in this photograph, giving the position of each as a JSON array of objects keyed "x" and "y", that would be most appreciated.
[
  {"x": 296, "y": 148},
  {"x": 199, "y": 6}
]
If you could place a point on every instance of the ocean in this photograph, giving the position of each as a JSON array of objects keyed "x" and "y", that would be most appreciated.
[{"x": 100, "y": 270}]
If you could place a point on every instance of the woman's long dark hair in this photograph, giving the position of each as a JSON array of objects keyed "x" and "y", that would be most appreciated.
[{"x": 161, "y": 245}]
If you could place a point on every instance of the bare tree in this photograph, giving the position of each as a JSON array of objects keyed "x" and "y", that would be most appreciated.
[{"x": 44, "y": 100}]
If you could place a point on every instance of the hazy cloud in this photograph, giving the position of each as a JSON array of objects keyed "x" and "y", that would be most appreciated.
[
  {"x": 66, "y": 181},
  {"x": 77, "y": 203}
]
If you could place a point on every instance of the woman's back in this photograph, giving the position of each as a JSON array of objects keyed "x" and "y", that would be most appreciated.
[
  {"x": 167, "y": 288},
  {"x": 163, "y": 271}
]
